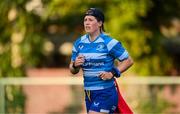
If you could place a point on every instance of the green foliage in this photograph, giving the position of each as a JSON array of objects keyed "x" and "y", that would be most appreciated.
[
  {"x": 25, "y": 28},
  {"x": 152, "y": 100},
  {"x": 147, "y": 106},
  {"x": 14, "y": 100},
  {"x": 158, "y": 104}
]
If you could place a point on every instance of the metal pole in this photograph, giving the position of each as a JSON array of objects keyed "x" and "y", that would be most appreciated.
[{"x": 2, "y": 99}]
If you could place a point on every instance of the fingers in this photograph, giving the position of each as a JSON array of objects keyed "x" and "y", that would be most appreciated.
[
  {"x": 105, "y": 75},
  {"x": 102, "y": 75},
  {"x": 79, "y": 60},
  {"x": 80, "y": 57}
]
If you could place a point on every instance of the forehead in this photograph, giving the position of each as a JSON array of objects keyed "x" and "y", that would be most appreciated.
[{"x": 89, "y": 17}]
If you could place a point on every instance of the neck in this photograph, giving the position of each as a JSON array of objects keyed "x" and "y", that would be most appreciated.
[{"x": 93, "y": 36}]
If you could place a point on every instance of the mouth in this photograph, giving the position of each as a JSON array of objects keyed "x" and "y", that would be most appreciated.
[{"x": 87, "y": 27}]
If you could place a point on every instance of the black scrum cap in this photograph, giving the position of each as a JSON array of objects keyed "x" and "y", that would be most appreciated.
[{"x": 96, "y": 13}]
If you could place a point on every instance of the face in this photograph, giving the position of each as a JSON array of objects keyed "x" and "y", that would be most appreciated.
[{"x": 91, "y": 24}]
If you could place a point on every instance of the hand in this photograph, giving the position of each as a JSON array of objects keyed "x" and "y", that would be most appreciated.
[
  {"x": 79, "y": 61},
  {"x": 106, "y": 75}
]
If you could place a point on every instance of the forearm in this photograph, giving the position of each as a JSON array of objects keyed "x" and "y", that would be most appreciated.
[{"x": 124, "y": 65}]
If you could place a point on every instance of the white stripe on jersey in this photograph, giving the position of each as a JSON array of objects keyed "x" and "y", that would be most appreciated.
[
  {"x": 124, "y": 55},
  {"x": 84, "y": 39},
  {"x": 95, "y": 88},
  {"x": 94, "y": 55},
  {"x": 111, "y": 44},
  {"x": 92, "y": 74},
  {"x": 99, "y": 40},
  {"x": 90, "y": 69},
  {"x": 74, "y": 49},
  {"x": 104, "y": 111}
]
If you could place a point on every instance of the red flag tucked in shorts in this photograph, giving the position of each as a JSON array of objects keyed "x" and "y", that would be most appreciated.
[{"x": 123, "y": 107}]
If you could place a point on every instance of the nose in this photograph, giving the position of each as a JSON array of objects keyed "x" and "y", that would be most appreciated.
[{"x": 86, "y": 22}]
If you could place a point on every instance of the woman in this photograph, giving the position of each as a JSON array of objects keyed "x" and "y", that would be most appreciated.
[{"x": 95, "y": 53}]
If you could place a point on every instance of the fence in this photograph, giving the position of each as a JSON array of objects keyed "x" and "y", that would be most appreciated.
[{"x": 155, "y": 80}]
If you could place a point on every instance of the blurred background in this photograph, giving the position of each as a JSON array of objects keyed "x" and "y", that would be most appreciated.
[{"x": 36, "y": 38}]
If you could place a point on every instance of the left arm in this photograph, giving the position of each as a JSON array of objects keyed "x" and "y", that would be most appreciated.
[
  {"x": 125, "y": 64},
  {"x": 125, "y": 61},
  {"x": 122, "y": 67}
]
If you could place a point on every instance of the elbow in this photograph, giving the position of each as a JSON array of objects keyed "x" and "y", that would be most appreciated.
[{"x": 132, "y": 62}]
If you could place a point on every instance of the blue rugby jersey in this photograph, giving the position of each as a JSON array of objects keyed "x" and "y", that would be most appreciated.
[{"x": 99, "y": 57}]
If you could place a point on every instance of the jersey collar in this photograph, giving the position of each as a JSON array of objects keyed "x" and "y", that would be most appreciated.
[{"x": 97, "y": 40}]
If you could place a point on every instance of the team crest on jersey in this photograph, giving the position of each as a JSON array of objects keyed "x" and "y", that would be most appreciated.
[{"x": 100, "y": 47}]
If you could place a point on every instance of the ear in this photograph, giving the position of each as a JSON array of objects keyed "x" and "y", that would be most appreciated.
[{"x": 100, "y": 23}]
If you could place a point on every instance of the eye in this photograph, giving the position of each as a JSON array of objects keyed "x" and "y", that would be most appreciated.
[
  {"x": 85, "y": 19},
  {"x": 90, "y": 19}
]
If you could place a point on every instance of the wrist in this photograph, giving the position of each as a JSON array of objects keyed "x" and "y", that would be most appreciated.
[
  {"x": 116, "y": 73},
  {"x": 74, "y": 69},
  {"x": 112, "y": 75},
  {"x": 73, "y": 65}
]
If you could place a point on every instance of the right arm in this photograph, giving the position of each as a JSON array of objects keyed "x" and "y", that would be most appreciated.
[{"x": 74, "y": 66}]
